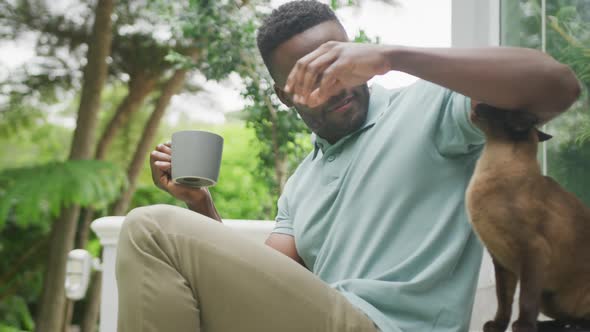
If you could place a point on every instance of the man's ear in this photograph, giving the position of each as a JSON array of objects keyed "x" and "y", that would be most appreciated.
[{"x": 283, "y": 96}]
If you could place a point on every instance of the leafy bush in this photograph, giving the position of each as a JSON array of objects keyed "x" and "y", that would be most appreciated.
[{"x": 28, "y": 198}]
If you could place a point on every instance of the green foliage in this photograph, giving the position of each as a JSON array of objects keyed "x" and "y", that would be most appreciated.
[
  {"x": 221, "y": 30},
  {"x": 36, "y": 142},
  {"x": 123, "y": 146},
  {"x": 94, "y": 247},
  {"x": 15, "y": 115},
  {"x": 21, "y": 272},
  {"x": 7, "y": 328},
  {"x": 222, "y": 45},
  {"x": 567, "y": 40},
  {"x": 567, "y": 30},
  {"x": 585, "y": 136},
  {"x": 30, "y": 195},
  {"x": 27, "y": 138},
  {"x": 18, "y": 315},
  {"x": 570, "y": 42},
  {"x": 569, "y": 165},
  {"x": 279, "y": 128},
  {"x": 362, "y": 37},
  {"x": 240, "y": 192},
  {"x": 521, "y": 23},
  {"x": 148, "y": 194}
]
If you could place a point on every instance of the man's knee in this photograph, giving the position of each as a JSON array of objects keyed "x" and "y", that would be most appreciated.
[
  {"x": 145, "y": 220},
  {"x": 139, "y": 230},
  {"x": 152, "y": 219},
  {"x": 144, "y": 223},
  {"x": 148, "y": 231},
  {"x": 141, "y": 224}
]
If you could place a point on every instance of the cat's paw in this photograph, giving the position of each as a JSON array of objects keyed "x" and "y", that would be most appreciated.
[
  {"x": 494, "y": 326},
  {"x": 522, "y": 326}
]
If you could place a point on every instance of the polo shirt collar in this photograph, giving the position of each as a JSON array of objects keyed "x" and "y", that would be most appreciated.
[{"x": 376, "y": 109}]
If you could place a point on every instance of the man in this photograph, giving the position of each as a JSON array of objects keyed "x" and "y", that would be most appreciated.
[{"x": 371, "y": 231}]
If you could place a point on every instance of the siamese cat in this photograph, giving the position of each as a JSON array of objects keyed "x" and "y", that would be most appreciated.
[{"x": 537, "y": 233}]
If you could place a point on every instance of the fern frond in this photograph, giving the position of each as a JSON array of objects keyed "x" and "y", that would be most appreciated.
[{"x": 33, "y": 194}]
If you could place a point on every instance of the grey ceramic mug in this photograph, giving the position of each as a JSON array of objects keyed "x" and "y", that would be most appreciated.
[{"x": 196, "y": 157}]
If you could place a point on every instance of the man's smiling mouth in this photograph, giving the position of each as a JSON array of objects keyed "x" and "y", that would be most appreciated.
[{"x": 343, "y": 105}]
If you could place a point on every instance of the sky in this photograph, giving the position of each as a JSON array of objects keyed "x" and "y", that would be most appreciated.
[{"x": 424, "y": 23}]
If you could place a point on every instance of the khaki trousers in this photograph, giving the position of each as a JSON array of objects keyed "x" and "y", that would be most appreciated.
[{"x": 180, "y": 271}]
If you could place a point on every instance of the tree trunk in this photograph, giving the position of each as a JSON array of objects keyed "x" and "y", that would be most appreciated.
[
  {"x": 92, "y": 307},
  {"x": 69, "y": 312},
  {"x": 86, "y": 218},
  {"x": 140, "y": 86},
  {"x": 95, "y": 74},
  {"x": 52, "y": 302},
  {"x": 147, "y": 139}
]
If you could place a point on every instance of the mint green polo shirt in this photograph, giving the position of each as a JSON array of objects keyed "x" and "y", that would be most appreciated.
[{"x": 380, "y": 215}]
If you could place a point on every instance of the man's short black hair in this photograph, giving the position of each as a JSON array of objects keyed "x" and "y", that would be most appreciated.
[{"x": 288, "y": 20}]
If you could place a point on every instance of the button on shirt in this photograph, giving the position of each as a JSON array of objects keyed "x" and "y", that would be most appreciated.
[{"x": 380, "y": 214}]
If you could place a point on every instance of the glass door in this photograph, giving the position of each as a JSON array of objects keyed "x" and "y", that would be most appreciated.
[{"x": 562, "y": 29}]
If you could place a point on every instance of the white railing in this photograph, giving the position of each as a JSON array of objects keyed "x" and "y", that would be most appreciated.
[{"x": 107, "y": 229}]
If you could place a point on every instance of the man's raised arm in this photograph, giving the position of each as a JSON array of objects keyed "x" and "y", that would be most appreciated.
[{"x": 505, "y": 77}]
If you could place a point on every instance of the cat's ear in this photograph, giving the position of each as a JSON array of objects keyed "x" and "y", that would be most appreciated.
[{"x": 543, "y": 136}]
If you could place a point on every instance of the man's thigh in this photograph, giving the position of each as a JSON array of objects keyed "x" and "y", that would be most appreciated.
[{"x": 207, "y": 275}]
